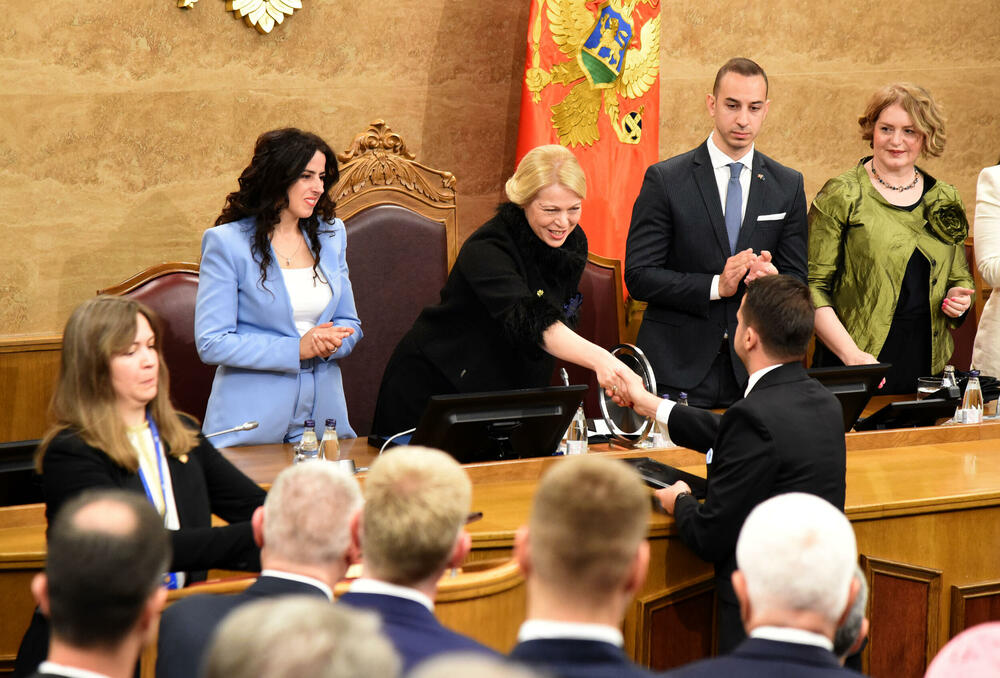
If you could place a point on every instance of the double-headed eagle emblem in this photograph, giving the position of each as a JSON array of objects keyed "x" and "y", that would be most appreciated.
[{"x": 604, "y": 62}]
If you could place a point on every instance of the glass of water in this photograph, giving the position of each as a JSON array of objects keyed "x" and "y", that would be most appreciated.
[{"x": 927, "y": 385}]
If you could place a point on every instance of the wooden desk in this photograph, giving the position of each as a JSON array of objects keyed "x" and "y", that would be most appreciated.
[{"x": 925, "y": 505}]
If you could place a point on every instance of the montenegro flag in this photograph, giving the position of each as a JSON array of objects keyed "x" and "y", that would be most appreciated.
[{"x": 592, "y": 83}]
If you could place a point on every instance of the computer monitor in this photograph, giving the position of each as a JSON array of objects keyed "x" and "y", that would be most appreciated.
[
  {"x": 497, "y": 425},
  {"x": 854, "y": 386},
  {"x": 909, "y": 414}
]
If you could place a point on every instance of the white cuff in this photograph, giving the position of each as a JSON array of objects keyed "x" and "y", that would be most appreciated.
[
  {"x": 662, "y": 416},
  {"x": 713, "y": 293}
]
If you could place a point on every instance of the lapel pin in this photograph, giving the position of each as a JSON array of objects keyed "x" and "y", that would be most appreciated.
[
  {"x": 540, "y": 292},
  {"x": 183, "y": 458},
  {"x": 761, "y": 177}
]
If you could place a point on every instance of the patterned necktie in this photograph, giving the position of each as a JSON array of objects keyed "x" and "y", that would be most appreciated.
[{"x": 734, "y": 204}]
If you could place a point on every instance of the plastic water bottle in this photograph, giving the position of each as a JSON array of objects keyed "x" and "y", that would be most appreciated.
[
  {"x": 949, "y": 382},
  {"x": 308, "y": 446},
  {"x": 330, "y": 447},
  {"x": 971, "y": 411},
  {"x": 682, "y": 398},
  {"x": 576, "y": 434}
]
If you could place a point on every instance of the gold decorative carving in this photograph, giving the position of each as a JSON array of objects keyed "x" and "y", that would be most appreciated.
[
  {"x": 263, "y": 14},
  {"x": 378, "y": 156},
  {"x": 186, "y": 4}
]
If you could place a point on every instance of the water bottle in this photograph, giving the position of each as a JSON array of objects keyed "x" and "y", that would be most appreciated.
[
  {"x": 330, "y": 447},
  {"x": 308, "y": 446},
  {"x": 971, "y": 411},
  {"x": 949, "y": 382},
  {"x": 576, "y": 434},
  {"x": 682, "y": 398}
]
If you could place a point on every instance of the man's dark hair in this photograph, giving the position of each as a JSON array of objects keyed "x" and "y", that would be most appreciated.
[
  {"x": 100, "y": 576},
  {"x": 741, "y": 66},
  {"x": 781, "y": 311}
]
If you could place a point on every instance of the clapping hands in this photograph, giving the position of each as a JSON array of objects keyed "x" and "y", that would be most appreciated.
[
  {"x": 744, "y": 266},
  {"x": 322, "y": 341}
]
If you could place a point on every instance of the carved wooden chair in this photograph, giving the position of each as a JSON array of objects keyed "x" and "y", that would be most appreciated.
[
  {"x": 170, "y": 289},
  {"x": 402, "y": 239},
  {"x": 602, "y": 321}
]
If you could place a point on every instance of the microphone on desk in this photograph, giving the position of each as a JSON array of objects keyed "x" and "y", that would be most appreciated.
[{"x": 245, "y": 426}]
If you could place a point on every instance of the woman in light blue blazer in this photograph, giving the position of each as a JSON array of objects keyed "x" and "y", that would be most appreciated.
[{"x": 275, "y": 306}]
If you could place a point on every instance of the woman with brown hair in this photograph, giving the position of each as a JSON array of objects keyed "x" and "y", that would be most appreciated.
[{"x": 887, "y": 266}]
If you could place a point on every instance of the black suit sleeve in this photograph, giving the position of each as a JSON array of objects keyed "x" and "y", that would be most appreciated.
[
  {"x": 693, "y": 427},
  {"x": 648, "y": 249},
  {"x": 740, "y": 477},
  {"x": 791, "y": 257}
]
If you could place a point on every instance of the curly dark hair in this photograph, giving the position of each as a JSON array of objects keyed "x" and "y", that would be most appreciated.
[{"x": 279, "y": 157}]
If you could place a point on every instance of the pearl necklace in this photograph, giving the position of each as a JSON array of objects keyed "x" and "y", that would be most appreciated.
[{"x": 916, "y": 178}]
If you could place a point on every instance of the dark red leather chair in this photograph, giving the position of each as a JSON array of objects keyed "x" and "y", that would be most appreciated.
[
  {"x": 402, "y": 233},
  {"x": 170, "y": 289},
  {"x": 602, "y": 321}
]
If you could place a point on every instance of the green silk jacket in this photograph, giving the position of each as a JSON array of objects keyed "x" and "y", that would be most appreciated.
[{"x": 859, "y": 246}]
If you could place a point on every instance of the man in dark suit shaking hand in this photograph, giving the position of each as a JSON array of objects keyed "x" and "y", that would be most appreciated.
[
  {"x": 703, "y": 222},
  {"x": 785, "y": 435}
]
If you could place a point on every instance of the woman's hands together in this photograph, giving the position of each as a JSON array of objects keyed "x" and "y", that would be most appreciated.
[
  {"x": 322, "y": 341},
  {"x": 957, "y": 301}
]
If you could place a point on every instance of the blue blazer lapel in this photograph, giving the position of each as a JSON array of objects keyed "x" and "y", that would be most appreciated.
[{"x": 704, "y": 175}]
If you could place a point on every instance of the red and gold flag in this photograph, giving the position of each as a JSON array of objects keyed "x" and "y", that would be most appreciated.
[{"x": 592, "y": 83}]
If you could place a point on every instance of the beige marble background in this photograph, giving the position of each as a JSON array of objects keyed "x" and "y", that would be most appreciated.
[{"x": 124, "y": 124}]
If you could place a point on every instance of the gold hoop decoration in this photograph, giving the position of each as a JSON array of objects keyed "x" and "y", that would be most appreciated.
[{"x": 263, "y": 14}]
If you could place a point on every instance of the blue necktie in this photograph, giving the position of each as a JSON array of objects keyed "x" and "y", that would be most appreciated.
[{"x": 734, "y": 204}]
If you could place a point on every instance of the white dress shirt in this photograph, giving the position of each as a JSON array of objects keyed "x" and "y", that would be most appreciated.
[
  {"x": 300, "y": 578},
  {"x": 383, "y": 588},
  {"x": 68, "y": 671},
  {"x": 720, "y": 163},
  {"x": 545, "y": 629},
  {"x": 785, "y": 634}
]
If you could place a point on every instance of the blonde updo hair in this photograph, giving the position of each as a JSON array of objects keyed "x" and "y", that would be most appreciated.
[
  {"x": 920, "y": 106},
  {"x": 544, "y": 166}
]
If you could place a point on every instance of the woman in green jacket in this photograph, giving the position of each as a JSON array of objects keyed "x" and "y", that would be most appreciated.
[{"x": 887, "y": 266}]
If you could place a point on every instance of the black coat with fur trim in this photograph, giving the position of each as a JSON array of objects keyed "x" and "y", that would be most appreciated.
[{"x": 506, "y": 288}]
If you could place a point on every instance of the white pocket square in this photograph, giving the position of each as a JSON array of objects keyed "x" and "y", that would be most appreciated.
[{"x": 771, "y": 217}]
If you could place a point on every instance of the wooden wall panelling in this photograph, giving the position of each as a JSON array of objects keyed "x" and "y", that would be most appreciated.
[
  {"x": 676, "y": 626},
  {"x": 28, "y": 370},
  {"x": 903, "y": 606},
  {"x": 974, "y": 604}
]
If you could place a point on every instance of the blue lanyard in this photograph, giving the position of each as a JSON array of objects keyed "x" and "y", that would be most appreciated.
[{"x": 169, "y": 578}]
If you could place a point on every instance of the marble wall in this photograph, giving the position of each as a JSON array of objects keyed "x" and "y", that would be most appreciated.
[{"x": 124, "y": 124}]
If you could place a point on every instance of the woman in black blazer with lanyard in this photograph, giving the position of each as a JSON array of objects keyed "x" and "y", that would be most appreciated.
[{"x": 114, "y": 427}]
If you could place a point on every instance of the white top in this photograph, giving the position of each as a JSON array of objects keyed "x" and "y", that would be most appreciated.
[
  {"x": 68, "y": 671},
  {"x": 720, "y": 163},
  {"x": 786, "y": 634},
  {"x": 663, "y": 409},
  {"x": 309, "y": 293},
  {"x": 544, "y": 629},
  {"x": 300, "y": 578},
  {"x": 384, "y": 588}
]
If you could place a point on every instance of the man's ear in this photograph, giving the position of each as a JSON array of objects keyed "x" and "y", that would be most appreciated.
[
  {"x": 257, "y": 523},
  {"x": 852, "y": 593},
  {"x": 40, "y": 591},
  {"x": 740, "y": 587},
  {"x": 640, "y": 566},
  {"x": 522, "y": 549},
  {"x": 353, "y": 553},
  {"x": 461, "y": 549},
  {"x": 149, "y": 621}
]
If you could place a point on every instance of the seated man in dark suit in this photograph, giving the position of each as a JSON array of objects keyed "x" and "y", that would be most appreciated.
[
  {"x": 785, "y": 435},
  {"x": 303, "y": 531},
  {"x": 410, "y": 532},
  {"x": 795, "y": 582},
  {"x": 299, "y": 637},
  {"x": 102, "y": 586},
  {"x": 584, "y": 554}
]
